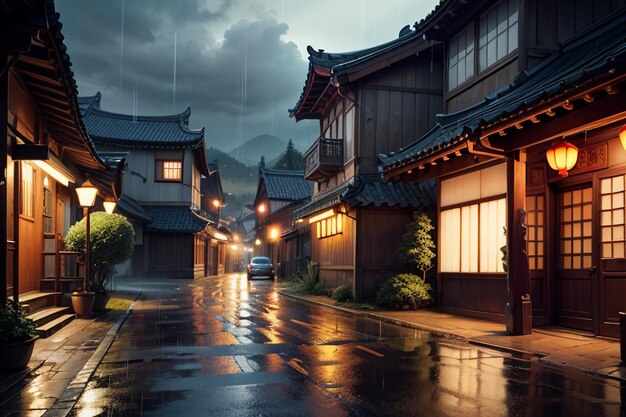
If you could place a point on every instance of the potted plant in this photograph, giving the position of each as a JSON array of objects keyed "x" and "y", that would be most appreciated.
[
  {"x": 111, "y": 242},
  {"x": 17, "y": 336}
]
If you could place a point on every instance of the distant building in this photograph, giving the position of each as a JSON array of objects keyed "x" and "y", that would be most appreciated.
[
  {"x": 278, "y": 235},
  {"x": 165, "y": 162}
]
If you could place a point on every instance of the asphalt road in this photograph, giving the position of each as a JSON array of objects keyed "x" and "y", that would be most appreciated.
[{"x": 228, "y": 347}]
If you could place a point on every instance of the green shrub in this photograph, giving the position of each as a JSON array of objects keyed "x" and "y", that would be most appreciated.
[
  {"x": 14, "y": 325},
  {"x": 111, "y": 241},
  {"x": 342, "y": 293},
  {"x": 417, "y": 244},
  {"x": 404, "y": 290},
  {"x": 306, "y": 281}
]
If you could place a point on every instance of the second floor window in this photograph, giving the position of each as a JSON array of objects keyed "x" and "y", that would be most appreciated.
[
  {"x": 169, "y": 171},
  {"x": 498, "y": 33},
  {"x": 461, "y": 62}
]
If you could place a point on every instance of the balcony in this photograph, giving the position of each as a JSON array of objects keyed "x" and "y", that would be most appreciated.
[{"x": 323, "y": 159}]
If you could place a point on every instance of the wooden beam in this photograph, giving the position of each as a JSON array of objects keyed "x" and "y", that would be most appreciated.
[
  {"x": 602, "y": 111},
  {"x": 518, "y": 271},
  {"x": 55, "y": 81},
  {"x": 454, "y": 165},
  {"x": 394, "y": 172}
]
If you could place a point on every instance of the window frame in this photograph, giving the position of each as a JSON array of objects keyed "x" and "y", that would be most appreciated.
[
  {"x": 159, "y": 170},
  {"x": 334, "y": 126},
  {"x": 478, "y": 74},
  {"x": 30, "y": 196},
  {"x": 460, "y": 206}
]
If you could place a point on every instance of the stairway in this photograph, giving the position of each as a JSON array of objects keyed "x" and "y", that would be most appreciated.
[{"x": 41, "y": 308}]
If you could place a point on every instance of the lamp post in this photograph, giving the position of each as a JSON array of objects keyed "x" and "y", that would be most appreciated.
[
  {"x": 87, "y": 198},
  {"x": 109, "y": 206}
]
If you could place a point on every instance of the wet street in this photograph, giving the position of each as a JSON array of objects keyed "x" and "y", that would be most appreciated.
[{"x": 228, "y": 347}]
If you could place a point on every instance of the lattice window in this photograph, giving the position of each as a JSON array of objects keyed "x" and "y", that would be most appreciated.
[
  {"x": 535, "y": 205},
  {"x": 27, "y": 207},
  {"x": 330, "y": 226},
  {"x": 461, "y": 57},
  {"x": 47, "y": 211},
  {"x": 498, "y": 33},
  {"x": 612, "y": 216},
  {"x": 575, "y": 216},
  {"x": 169, "y": 171}
]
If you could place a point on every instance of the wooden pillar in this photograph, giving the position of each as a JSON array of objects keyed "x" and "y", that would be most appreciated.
[
  {"x": 518, "y": 272},
  {"x": 4, "y": 106}
]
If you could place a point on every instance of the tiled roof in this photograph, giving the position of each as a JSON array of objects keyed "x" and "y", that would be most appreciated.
[
  {"x": 133, "y": 209},
  {"x": 593, "y": 55},
  {"x": 324, "y": 64},
  {"x": 174, "y": 219},
  {"x": 285, "y": 184},
  {"x": 107, "y": 128},
  {"x": 371, "y": 190}
]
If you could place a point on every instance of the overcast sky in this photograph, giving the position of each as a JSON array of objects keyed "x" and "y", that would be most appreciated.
[{"x": 239, "y": 64}]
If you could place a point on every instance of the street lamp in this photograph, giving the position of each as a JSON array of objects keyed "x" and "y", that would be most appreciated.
[
  {"x": 86, "y": 198},
  {"x": 109, "y": 206}
]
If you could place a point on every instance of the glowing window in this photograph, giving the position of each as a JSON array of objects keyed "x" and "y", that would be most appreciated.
[
  {"x": 169, "y": 171},
  {"x": 27, "y": 207},
  {"x": 471, "y": 237},
  {"x": 330, "y": 226}
]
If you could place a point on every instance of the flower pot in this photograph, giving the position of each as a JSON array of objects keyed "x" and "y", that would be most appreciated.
[
  {"x": 82, "y": 303},
  {"x": 17, "y": 354},
  {"x": 100, "y": 302}
]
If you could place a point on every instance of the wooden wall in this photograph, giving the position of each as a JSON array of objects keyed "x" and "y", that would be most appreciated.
[
  {"x": 398, "y": 105},
  {"x": 170, "y": 255},
  {"x": 551, "y": 22},
  {"x": 478, "y": 296},
  {"x": 379, "y": 233},
  {"x": 335, "y": 255}
]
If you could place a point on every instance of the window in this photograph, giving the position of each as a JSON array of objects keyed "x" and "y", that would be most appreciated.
[
  {"x": 169, "y": 171},
  {"x": 498, "y": 33},
  {"x": 534, "y": 221},
  {"x": 575, "y": 217},
  {"x": 47, "y": 211},
  {"x": 27, "y": 207},
  {"x": 471, "y": 237},
  {"x": 612, "y": 217},
  {"x": 330, "y": 226},
  {"x": 461, "y": 57},
  {"x": 349, "y": 139}
]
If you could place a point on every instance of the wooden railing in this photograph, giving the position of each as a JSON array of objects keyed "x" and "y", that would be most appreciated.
[
  {"x": 323, "y": 159},
  {"x": 61, "y": 267}
]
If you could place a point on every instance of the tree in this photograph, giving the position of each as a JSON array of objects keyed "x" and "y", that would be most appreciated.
[
  {"x": 417, "y": 245},
  {"x": 291, "y": 159},
  {"x": 111, "y": 242}
]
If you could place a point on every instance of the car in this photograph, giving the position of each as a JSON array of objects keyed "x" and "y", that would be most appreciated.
[{"x": 261, "y": 266}]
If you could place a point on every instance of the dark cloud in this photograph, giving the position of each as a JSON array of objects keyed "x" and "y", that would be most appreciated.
[{"x": 239, "y": 81}]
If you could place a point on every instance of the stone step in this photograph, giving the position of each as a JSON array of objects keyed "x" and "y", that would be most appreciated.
[
  {"x": 46, "y": 315},
  {"x": 37, "y": 300},
  {"x": 55, "y": 325}
]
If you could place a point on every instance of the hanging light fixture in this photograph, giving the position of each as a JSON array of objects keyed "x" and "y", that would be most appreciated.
[
  {"x": 622, "y": 136},
  {"x": 562, "y": 157}
]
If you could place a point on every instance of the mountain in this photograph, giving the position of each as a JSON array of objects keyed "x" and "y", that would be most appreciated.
[
  {"x": 239, "y": 181},
  {"x": 263, "y": 145}
]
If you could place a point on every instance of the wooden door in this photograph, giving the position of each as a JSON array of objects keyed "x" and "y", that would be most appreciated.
[
  {"x": 612, "y": 266},
  {"x": 575, "y": 267}
]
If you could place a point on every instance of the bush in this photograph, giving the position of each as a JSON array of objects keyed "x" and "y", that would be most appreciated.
[
  {"x": 306, "y": 281},
  {"x": 111, "y": 241},
  {"x": 14, "y": 325},
  {"x": 404, "y": 290},
  {"x": 342, "y": 293}
]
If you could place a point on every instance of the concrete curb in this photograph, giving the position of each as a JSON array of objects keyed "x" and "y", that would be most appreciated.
[
  {"x": 442, "y": 333},
  {"x": 66, "y": 402}
]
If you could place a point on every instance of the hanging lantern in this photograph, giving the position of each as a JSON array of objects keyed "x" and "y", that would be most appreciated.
[
  {"x": 622, "y": 136},
  {"x": 562, "y": 157}
]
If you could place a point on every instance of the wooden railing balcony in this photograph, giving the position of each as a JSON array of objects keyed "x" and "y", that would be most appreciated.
[{"x": 323, "y": 159}]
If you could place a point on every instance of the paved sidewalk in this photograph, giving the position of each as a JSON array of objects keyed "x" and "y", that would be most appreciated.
[
  {"x": 62, "y": 364},
  {"x": 596, "y": 355}
]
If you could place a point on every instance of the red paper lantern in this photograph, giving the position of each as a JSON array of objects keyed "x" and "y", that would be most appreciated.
[{"x": 562, "y": 157}]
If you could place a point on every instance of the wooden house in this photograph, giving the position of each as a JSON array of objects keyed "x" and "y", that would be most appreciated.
[
  {"x": 165, "y": 162},
  {"x": 367, "y": 102},
  {"x": 524, "y": 81},
  {"x": 212, "y": 200},
  {"x": 46, "y": 154},
  {"x": 278, "y": 236}
]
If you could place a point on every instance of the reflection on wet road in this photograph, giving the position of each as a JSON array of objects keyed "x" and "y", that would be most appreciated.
[{"x": 228, "y": 347}]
